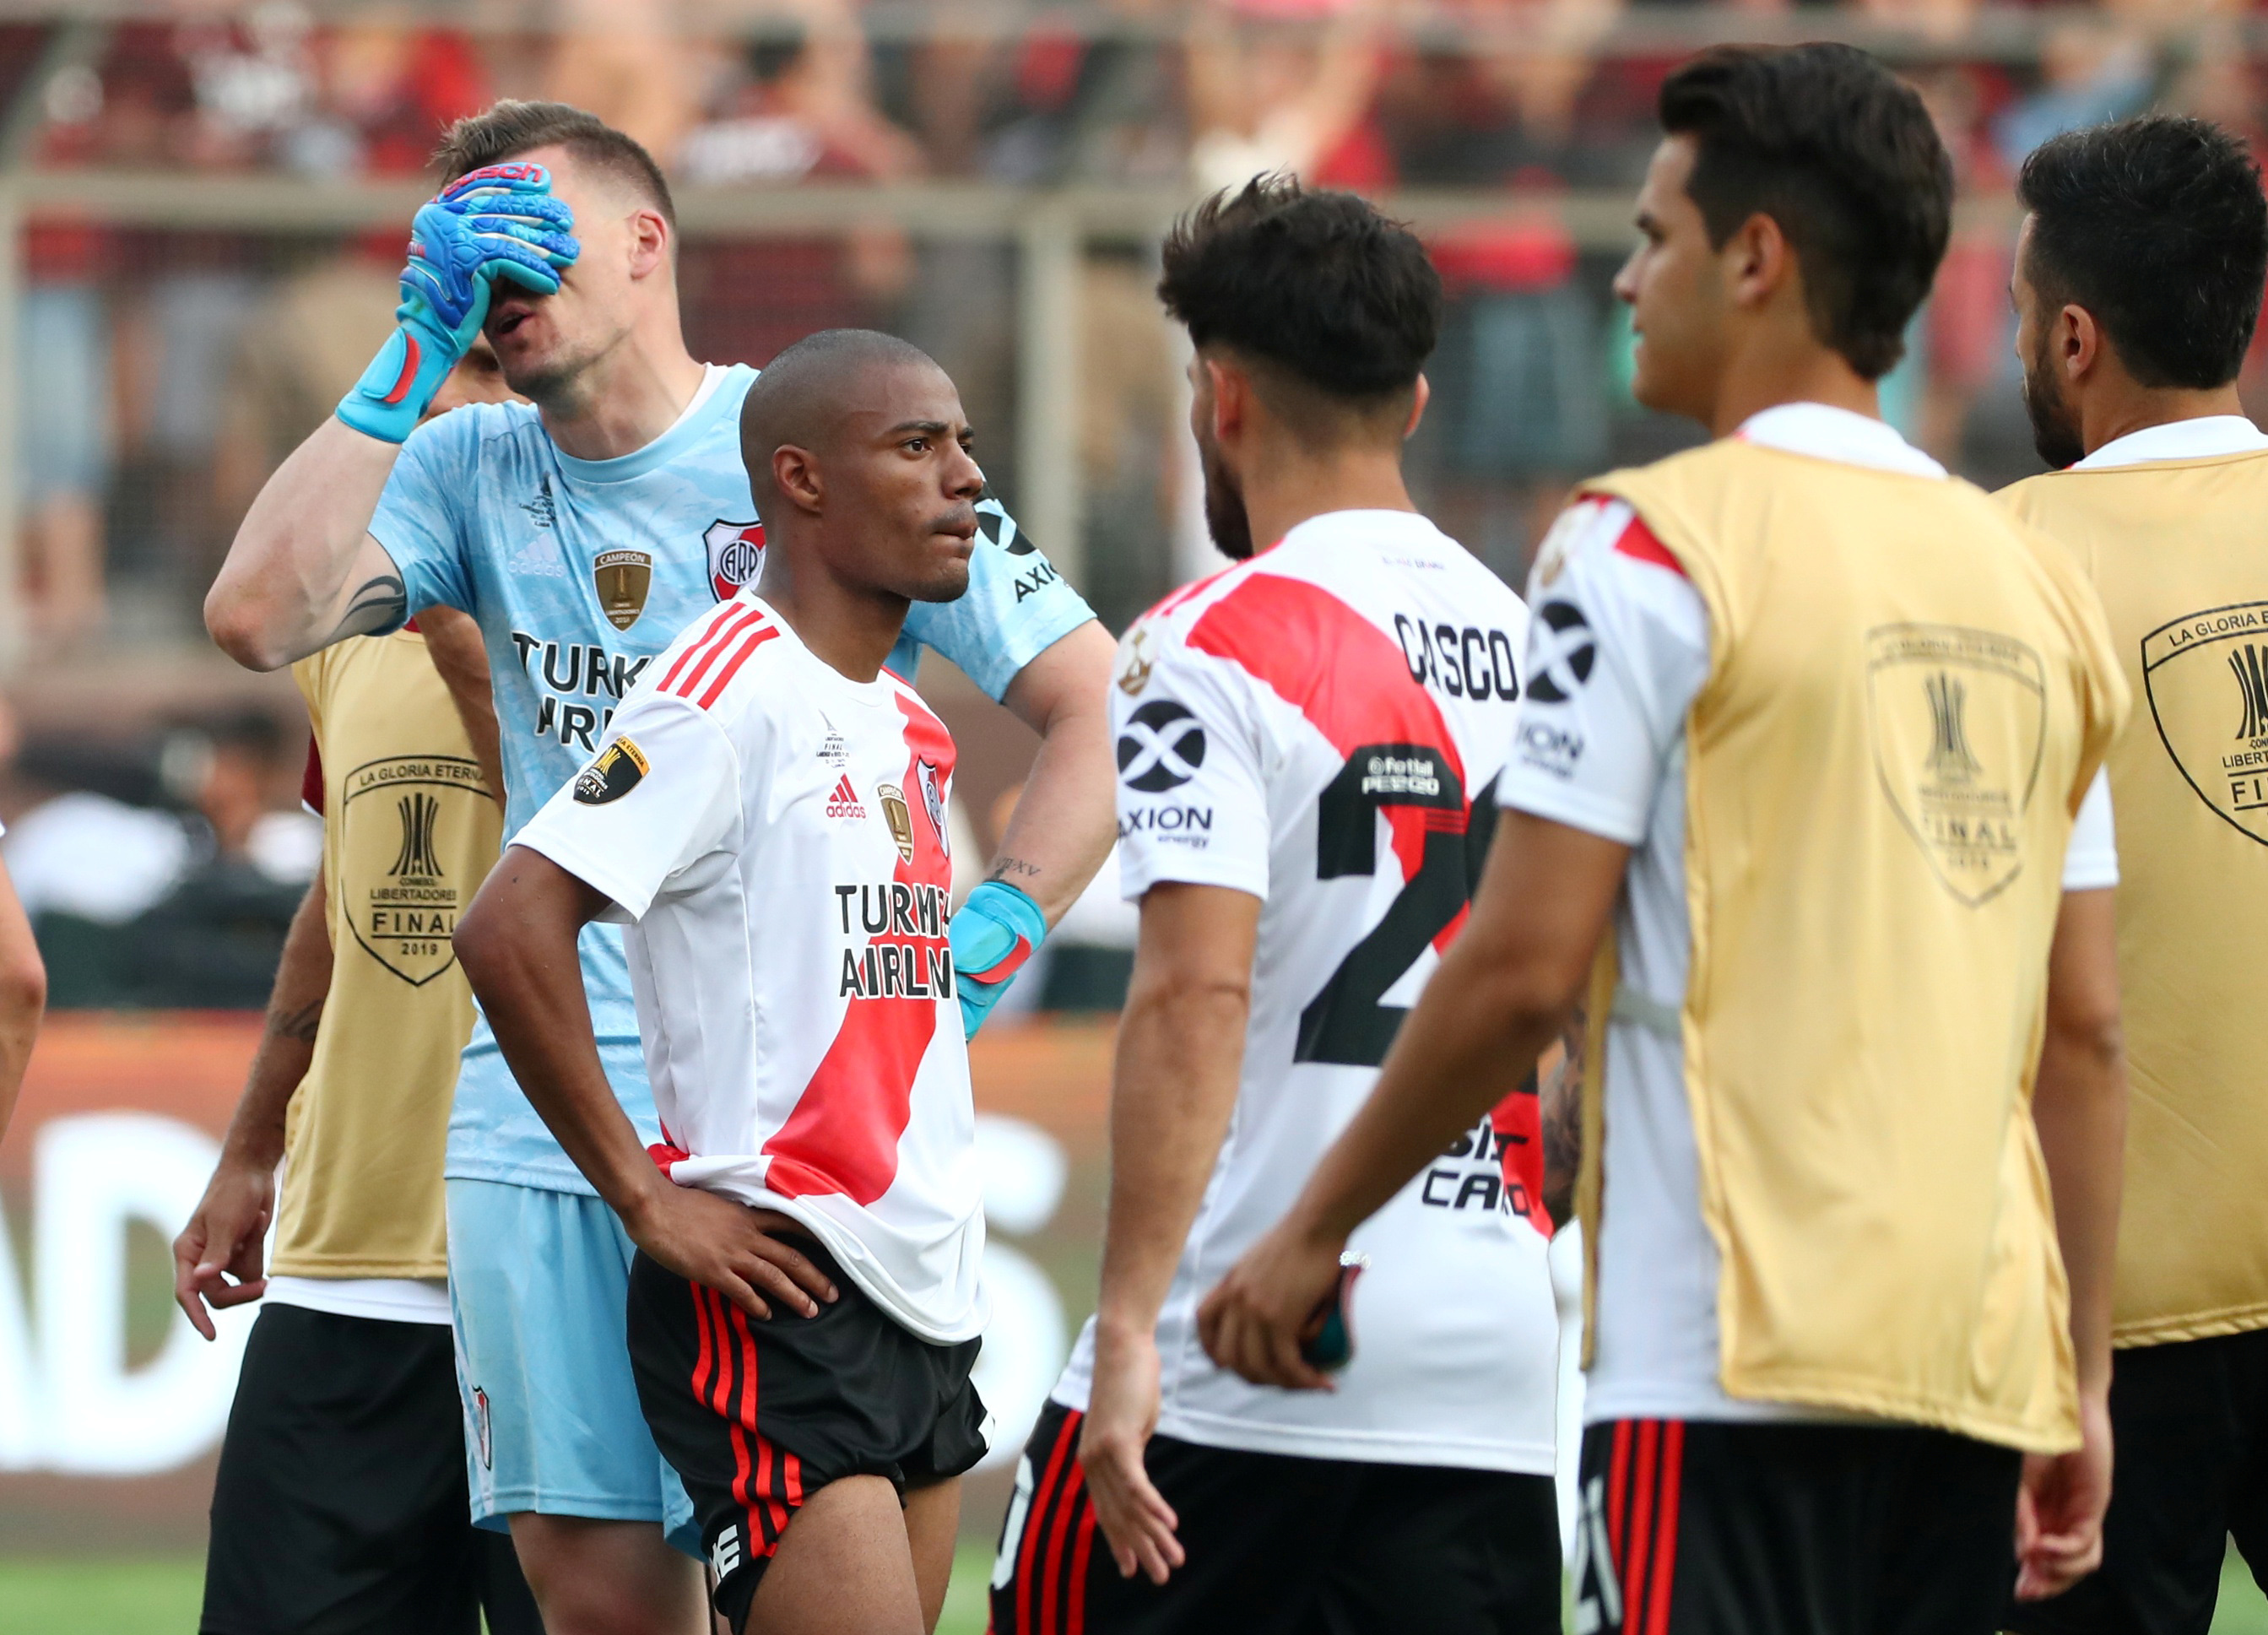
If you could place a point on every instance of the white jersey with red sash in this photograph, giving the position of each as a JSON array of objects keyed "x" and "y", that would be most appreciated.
[
  {"x": 1322, "y": 727},
  {"x": 774, "y": 835}
]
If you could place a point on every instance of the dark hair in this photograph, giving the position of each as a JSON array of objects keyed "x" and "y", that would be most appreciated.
[
  {"x": 1825, "y": 142},
  {"x": 1318, "y": 283},
  {"x": 2158, "y": 227},
  {"x": 510, "y": 128}
]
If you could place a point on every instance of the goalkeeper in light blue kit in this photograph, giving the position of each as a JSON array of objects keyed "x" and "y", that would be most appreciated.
[{"x": 583, "y": 533}]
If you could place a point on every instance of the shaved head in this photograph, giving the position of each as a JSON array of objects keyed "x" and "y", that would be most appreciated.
[{"x": 803, "y": 397}]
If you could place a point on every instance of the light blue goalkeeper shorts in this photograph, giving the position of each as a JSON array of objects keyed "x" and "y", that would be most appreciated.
[{"x": 538, "y": 1282}]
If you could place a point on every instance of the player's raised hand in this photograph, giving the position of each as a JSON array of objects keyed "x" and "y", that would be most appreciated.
[
  {"x": 734, "y": 1250},
  {"x": 225, "y": 1239},
  {"x": 1121, "y": 1414},
  {"x": 1276, "y": 1296},
  {"x": 498, "y": 222},
  {"x": 2060, "y": 1506}
]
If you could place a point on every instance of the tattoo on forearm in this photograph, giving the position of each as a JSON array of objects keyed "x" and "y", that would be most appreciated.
[
  {"x": 298, "y": 1026},
  {"x": 1007, "y": 867},
  {"x": 376, "y": 604}
]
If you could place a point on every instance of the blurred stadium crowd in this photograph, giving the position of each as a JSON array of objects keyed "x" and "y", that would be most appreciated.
[{"x": 166, "y": 361}]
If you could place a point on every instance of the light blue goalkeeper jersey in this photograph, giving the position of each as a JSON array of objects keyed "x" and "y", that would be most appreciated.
[{"x": 580, "y": 571}]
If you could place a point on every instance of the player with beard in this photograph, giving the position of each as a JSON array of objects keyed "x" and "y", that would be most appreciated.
[
  {"x": 1305, "y": 745},
  {"x": 585, "y": 533},
  {"x": 2137, "y": 287},
  {"x": 1798, "y": 784},
  {"x": 768, "y": 816}
]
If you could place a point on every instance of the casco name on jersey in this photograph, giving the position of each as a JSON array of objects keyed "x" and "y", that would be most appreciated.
[
  {"x": 567, "y": 671},
  {"x": 1467, "y": 663}
]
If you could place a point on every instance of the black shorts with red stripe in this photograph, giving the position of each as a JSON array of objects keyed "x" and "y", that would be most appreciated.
[
  {"x": 758, "y": 1415},
  {"x": 1280, "y": 1545},
  {"x": 1699, "y": 1528}
]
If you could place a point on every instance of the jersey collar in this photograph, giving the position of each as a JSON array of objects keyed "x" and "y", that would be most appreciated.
[
  {"x": 2201, "y": 438},
  {"x": 720, "y": 393}
]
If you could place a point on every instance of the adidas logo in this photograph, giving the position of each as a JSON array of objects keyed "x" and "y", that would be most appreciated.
[{"x": 843, "y": 802}]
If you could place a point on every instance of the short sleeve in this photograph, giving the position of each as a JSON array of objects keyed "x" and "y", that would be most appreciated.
[
  {"x": 662, "y": 793},
  {"x": 1618, "y": 647},
  {"x": 1016, "y": 608},
  {"x": 419, "y": 519},
  {"x": 311, "y": 778},
  {"x": 1192, "y": 801},
  {"x": 2090, "y": 861}
]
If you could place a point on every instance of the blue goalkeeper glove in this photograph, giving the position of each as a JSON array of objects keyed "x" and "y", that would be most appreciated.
[
  {"x": 994, "y": 933},
  {"x": 498, "y": 222}
]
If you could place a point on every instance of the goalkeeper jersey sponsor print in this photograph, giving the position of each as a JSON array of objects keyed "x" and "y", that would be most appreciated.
[
  {"x": 774, "y": 835},
  {"x": 579, "y": 572},
  {"x": 1320, "y": 727}
]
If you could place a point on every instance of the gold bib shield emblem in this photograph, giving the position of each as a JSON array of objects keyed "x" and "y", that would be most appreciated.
[
  {"x": 623, "y": 577},
  {"x": 2206, "y": 676},
  {"x": 900, "y": 820},
  {"x": 399, "y": 898},
  {"x": 1959, "y": 719}
]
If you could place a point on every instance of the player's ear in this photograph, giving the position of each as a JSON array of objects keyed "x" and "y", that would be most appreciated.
[
  {"x": 1418, "y": 401},
  {"x": 1232, "y": 394},
  {"x": 1758, "y": 261},
  {"x": 650, "y": 236},
  {"x": 795, "y": 473},
  {"x": 2078, "y": 342}
]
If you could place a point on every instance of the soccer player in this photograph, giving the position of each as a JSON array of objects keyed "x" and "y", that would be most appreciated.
[
  {"x": 2137, "y": 287},
  {"x": 342, "y": 1491},
  {"x": 585, "y": 534},
  {"x": 1307, "y": 743},
  {"x": 769, "y": 816},
  {"x": 1807, "y": 728}
]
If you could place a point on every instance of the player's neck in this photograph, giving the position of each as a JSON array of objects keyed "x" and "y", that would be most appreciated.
[
  {"x": 849, "y": 628},
  {"x": 623, "y": 401},
  {"x": 1283, "y": 492},
  {"x": 2120, "y": 409},
  {"x": 1764, "y": 376}
]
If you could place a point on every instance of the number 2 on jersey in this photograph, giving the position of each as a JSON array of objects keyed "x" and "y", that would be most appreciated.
[{"x": 1346, "y": 1023}]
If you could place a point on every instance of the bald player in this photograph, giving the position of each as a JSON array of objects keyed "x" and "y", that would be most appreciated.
[{"x": 767, "y": 815}]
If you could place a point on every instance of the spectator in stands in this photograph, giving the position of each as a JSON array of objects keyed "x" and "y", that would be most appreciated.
[
  {"x": 797, "y": 104},
  {"x": 2092, "y": 69},
  {"x": 214, "y": 941},
  {"x": 1285, "y": 84},
  {"x": 628, "y": 61},
  {"x": 63, "y": 422}
]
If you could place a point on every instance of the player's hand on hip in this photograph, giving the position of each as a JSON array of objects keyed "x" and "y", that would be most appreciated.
[
  {"x": 736, "y": 1250},
  {"x": 497, "y": 223},
  {"x": 2060, "y": 1508},
  {"x": 1255, "y": 1319},
  {"x": 224, "y": 1239},
  {"x": 1121, "y": 1413},
  {"x": 994, "y": 933}
]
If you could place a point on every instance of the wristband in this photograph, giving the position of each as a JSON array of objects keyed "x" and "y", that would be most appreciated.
[{"x": 994, "y": 933}]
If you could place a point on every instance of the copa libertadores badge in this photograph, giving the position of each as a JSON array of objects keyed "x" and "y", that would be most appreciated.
[
  {"x": 2206, "y": 676},
  {"x": 1959, "y": 720},
  {"x": 616, "y": 772},
  {"x": 400, "y": 817}
]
